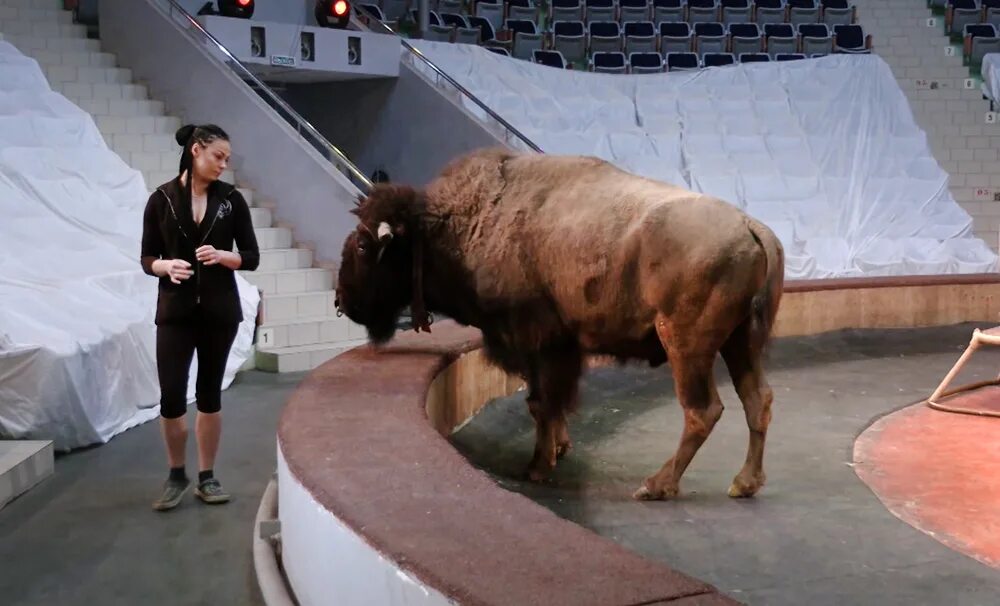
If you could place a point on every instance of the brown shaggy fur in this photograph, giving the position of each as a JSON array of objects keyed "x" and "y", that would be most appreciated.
[{"x": 557, "y": 257}]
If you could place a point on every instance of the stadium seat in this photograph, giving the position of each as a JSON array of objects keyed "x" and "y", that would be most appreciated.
[
  {"x": 565, "y": 10},
  {"x": 960, "y": 13},
  {"x": 550, "y": 58},
  {"x": 527, "y": 38},
  {"x": 675, "y": 37},
  {"x": 815, "y": 39},
  {"x": 769, "y": 11},
  {"x": 608, "y": 63},
  {"x": 980, "y": 39},
  {"x": 702, "y": 11},
  {"x": 710, "y": 38},
  {"x": 803, "y": 11},
  {"x": 498, "y": 50},
  {"x": 605, "y": 36},
  {"x": 645, "y": 63},
  {"x": 492, "y": 12},
  {"x": 671, "y": 11},
  {"x": 780, "y": 38},
  {"x": 744, "y": 38},
  {"x": 736, "y": 11},
  {"x": 634, "y": 10},
  {"x": 569, "y": 38},
  {"x": 789, "y": 56},
  {"x": 600, "y": 10},
  {"x": 754, "y": 58},
  {"x": 838, "y": 12},
  {"x": 991, "y": 12},
  {"x": 718, "y": 59},
  {"x": 487, "y": 33},
  {"x": 524, "y": 10},
  {"x": 682, "y": 62},
  {"x": 640, "y": 36},
  {"x": 851, "y": 39}
]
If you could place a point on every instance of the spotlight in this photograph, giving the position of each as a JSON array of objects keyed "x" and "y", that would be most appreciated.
[
  {"x": 333, "y": 13},
  {"x": 242, "y": 9}
]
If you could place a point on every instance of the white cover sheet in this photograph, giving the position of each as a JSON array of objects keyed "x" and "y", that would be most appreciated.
[
  {"x": 991, "y": 76},
  {"x": 824, "y": 151},
  {"x": 77, "y": 339}
]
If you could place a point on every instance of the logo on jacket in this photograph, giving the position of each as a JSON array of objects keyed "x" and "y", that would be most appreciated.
[{"x": 224, "y": 209}]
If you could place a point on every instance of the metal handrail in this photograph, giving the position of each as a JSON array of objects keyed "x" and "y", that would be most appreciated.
[
  {"x": 416, "y": 52},
  {"x": 343, "y": 163}
]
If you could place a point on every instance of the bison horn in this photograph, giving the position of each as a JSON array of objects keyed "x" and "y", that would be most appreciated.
[{"x": 384, "y": 232}]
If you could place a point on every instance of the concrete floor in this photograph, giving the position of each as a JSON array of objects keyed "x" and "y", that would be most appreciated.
[
  {"x": 815, "y": 534},
  {"x": 87, "y": 535}
]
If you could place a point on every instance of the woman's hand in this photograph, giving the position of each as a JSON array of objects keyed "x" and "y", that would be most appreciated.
[
  {"x": 175, "y": 269},
  {"x": 209, "y": 255}
]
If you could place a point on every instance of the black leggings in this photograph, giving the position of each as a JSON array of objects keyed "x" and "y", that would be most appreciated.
[{"x": 175, "y": 347}]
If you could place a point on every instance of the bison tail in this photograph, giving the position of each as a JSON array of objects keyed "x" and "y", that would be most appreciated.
[{"x": 764, "y": 305}]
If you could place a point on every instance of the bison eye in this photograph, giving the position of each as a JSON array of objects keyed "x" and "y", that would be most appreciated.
[{"x": 361, "y": 249}]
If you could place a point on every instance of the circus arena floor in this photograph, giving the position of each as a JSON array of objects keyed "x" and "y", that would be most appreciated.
[{"x": 819, "y": 532}]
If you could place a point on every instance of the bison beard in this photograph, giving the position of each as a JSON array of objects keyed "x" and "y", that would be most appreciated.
[{"x": 555, "y": 258}]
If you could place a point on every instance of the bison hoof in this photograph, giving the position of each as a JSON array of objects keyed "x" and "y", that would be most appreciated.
[
  {"x": 742, "y": 488},
  {"x": 662, "y": 494},
  {"x": 563, "y": 449},
  {"x": 536, "y": 474}
]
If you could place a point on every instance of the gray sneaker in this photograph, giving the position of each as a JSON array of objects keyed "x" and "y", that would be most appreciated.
[
  {"x": 210, "y": 491},
  {"x": 173, "y": 492}
]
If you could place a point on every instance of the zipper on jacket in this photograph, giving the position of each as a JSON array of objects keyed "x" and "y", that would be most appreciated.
[{"x": 197, "y": 263}]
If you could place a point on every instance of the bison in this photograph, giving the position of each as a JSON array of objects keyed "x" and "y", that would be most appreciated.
[{"x": 554, "y": 258}]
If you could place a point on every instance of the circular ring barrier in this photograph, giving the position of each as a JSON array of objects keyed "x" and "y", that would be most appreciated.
[{"x": 376, "y": 507}]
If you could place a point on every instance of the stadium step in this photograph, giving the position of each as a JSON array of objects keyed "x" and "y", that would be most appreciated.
[
  {"x": 301, "y": 358},
  {"x": 283, "y": 307},
  {"x": 290, "y": 281},
  {"x": 23, "y": 465},
  {"x": 302, "y": 331}
]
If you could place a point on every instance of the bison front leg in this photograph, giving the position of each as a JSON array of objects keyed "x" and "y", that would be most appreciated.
[{"x": 551, "y": 396}]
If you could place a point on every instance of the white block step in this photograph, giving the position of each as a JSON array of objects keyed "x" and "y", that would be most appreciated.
[
  {"x": 49, "y": 15},
  {"x": 269, "y": 238},
  {"x": 89, "y": 75},
  {"x": 77, "y": 90},
  {"x": 50, "y": 58},
  {"x": 299, "y": 332},
  {"x": 27, "y": 43},
  {"x": 290, "y": 281},
  {"x": 261, "y": 217},
  {"x": 23, "y": 465},
  {"x": 277, "y": 308},
  {"x": 290, "y": 258},
  {"x": 301, "y": 358},
  {"x": 140, "y": 125}
]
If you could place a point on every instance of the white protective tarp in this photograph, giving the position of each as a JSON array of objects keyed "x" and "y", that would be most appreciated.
[
  {"x": 824, "y": 151},
  {"x": 991, "y": 76},
  {"x": 77, "y": 339}
]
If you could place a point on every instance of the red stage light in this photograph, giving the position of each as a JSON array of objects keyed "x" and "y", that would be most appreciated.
[{"x": 340, "y": 8}]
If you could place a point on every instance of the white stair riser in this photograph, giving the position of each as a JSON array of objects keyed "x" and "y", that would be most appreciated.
[
  {"x": 287, "y": 307},
  {"x": 273, "y": 237},
  {"x": 269, "y": 361},
  {"x": 78, "y": 91},
  {"x": 126, "y": 108},
  {"x": 261, "y": 217},
  {"x": 42, "y": 29},
  {"x": 46, "y": 15},
  {"x": 89, "y": 75},
  {"x": 28, "y": 43},
  {"x": 290, "y": 281},
  {"x": 139, "y": 125},
  {"x": 276, "y": 260},
  {"x": 50, "y": 58},
  {"x": 327, "y": 330}
]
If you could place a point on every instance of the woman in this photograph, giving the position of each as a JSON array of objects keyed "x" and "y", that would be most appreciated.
[{"x": 189, "y": 227}]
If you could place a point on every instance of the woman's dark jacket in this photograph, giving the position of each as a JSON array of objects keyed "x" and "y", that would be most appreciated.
[{"x": 169, "y": 232}]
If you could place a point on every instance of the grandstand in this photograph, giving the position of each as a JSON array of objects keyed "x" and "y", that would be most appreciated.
[{"x": 856, "y": 130}]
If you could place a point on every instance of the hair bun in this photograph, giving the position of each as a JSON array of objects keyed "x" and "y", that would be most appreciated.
[{"x": 183, "y": 134}]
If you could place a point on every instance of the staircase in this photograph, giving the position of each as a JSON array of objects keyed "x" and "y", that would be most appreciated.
[
  {"x": 300, "y": 329},
  {"x": 946, "y": 102}
]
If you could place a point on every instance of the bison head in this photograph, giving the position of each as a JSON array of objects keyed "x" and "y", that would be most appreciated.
[{"x": 375, "y": 282}]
